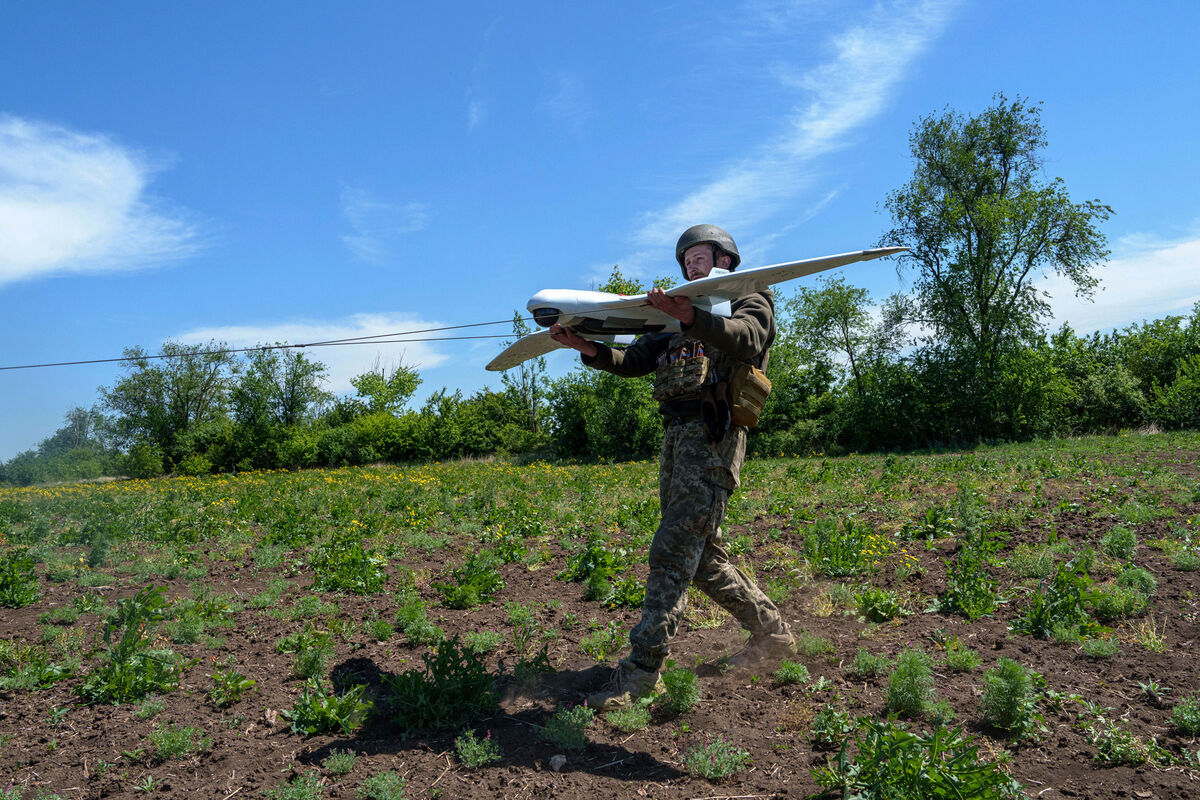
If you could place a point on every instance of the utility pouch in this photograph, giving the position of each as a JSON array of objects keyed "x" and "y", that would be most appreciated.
[
  {"x": 749, "y": 388},
  {"x": 681, "y": 378}
]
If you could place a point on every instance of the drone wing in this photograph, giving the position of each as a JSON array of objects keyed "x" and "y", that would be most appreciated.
[
  {"x": 538, "y": 344},
  {"x": 747, "y": 281}
]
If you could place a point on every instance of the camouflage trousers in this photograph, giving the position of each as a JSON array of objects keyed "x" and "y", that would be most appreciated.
[{"x": 696, "y": 478}]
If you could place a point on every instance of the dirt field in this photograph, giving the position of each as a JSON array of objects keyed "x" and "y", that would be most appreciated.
[{"x": 221, "y": 542}]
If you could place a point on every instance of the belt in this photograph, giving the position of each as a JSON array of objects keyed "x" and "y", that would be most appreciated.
[{"x": 668, "y": 421}]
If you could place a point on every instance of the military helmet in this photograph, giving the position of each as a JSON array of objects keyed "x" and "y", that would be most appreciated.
[{"x": 719, "y": 238}]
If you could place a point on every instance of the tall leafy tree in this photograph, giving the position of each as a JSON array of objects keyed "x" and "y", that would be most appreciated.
[
  {"x": 526, "y": 382},
  {"x": 161, "y": 400},
  {"x": 983, "y": 223},
  {"x": 386, "y": 390},
  {"x": 278, "y": 387}
]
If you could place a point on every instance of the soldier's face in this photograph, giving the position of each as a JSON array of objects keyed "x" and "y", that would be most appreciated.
[{"x": 698, "y": 261}]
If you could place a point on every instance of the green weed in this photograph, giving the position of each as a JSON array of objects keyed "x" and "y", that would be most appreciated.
[
  {"x": 175, "y": 741},
  {"x": 382, "y": 786},
  {"x": 474, "y": 752},
  {"x": 633, "y": 717},
  {"x": 867, "y": 665},
  {"x": 475, "y": 581},
  {"x": 453, "y": 689},
  {"x": 683, "y": 690},
  {"x": 319, "y": 710},
  {"x": 717, "y": 760},
  {"x": 790, "y": 672},
  {"x": 228, "y": 687},
  {"x": 910, "y": 684},
  {"x": 339, "y": 762},
  {"x": 568, "y": 728},
  {"x": 829, "y": 728},
  {"x": 1009, "y": 699}
]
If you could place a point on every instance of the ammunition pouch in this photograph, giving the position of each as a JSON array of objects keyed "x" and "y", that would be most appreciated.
[
  {"x": 682, "y": 378},
  {"x": 748, "y": 391}
]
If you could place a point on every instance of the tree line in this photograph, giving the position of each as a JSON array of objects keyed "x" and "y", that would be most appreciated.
[{"x": 964, "y": 357}]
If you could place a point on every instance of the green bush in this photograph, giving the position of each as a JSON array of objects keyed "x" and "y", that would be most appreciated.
[
  {"x": 683, "y": 691},
  {"x": 452, "y": 690},
  {"x": 474, "y": 752},
  {"x": 1061, "y": 603},
  {"x": 339, "y": 762},
  {"x": 1009, "y": 699},
  {"x": 1118, "y": 603},
  {"x": 836, "y": 551},
  {"x": 18, "y": 584},
  {"x": 633, "y": 717},
  {"x": 414, "y": 623},
  {"x": 1101, "y": 648},
  {"x": 175, "y": 741},
  {"x": 144, "y": 461},
  {"x": 320, "y": 710},
  {"x": 1139, "y": 579},
  {"x": 133, "y": 667},
  {"x": 1185, "y": 717},
  {"x": 970, "y": 588},
  {"x": 717, "y": 760},
  {"x": 878, "y": 604},
  {"x": 1120, "y": 542},
  {"x": 867, "y": 665},
  {"x": 892, "y": 762},
  {"x": 791, "y": 672},
  {"x": 910, "y": 684},
  {"x": 228, "y": 687},
  {"x": 829, "y": 728},
  {"x": 568, "y": 728},
  {"x": 345, "y": 565},
  {"x": 475, "y": 582},
  {"x": 382, "y": 786}
]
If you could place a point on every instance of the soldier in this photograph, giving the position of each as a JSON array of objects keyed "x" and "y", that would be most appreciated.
[{"x": 702, "y": 455}]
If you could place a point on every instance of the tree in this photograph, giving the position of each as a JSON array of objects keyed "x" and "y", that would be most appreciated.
[
  {"x": 982, "y": 225},
  {"x": 161, "y": 400},
  {"x": 526, "y": 382},
  {"x": 278, "y": 387},
  {"x": 384, "y": 391}
]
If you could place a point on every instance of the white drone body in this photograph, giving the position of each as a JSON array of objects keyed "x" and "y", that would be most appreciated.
[{"x": 620, "y": 318}]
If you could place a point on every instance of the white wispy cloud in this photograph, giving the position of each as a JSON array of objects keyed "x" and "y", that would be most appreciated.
[
  {"x": 834, "y": 99},
  {"x": 343, "y": 362},
  {"x": 1146, "y": 280},
  {"x": 77, "y": 202},
  {"x": 566, "y": 103},
  {"x": 379, "y": 226}
]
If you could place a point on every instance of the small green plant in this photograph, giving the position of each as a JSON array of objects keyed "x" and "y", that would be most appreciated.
[
  {"x": 175, "y": 741},
  {"x": 910, "y": 684},
  {"x": 150, "y": 707},
  {"x": 339, "y": 762},
  {"x": 1185, "y": 717},
  {"x": 474, "y": 752},
  {"x": 810, "y": 645},
  {"x": 382, "y": 786},
  {"x": 147, "y": 784},
  {"x": 1120, "y": 542},
  {"x": 1118, "y": 603},
  {"x": 1139, "y": 579},
  {"x": 483, "y": 641},
  {"x": 791, "y": 672},
  {"x": 630, "y": 718},
  {"x": 604, "y": 642},
  {"x": 312, "y": 654},
  {"x": 453, "y": 689},
  {"x": 414, "y": 623},
  {"x": 829, "y": 728},
  {"x": 568, "y": 727},
  {"x": 1104, "y": 647},
  {"x": 1009, "y": 701},
  {"x": 838, "y": 551},
  {"x": 867, "y": 665},
  {"x": 343, "y": 564},
  {"x": 306, "y": 786},
  {"x": 1116, "y": 744},
  {"x": 475, "y": 581},
  {"x": 319, "y": 710},
  {"x": 717, "y": 760},
  {"x": 1062, "y": 602},
  {"x": 683, "y": 690},
  {"x": 878, "y": 604},
  {"x": 381, "y": 630},
  {"x": 228, "y": 687},
  {"x": 959, "y": 658},
  {"x": 893, "y": 762},
  {"x": 970, "y": 588},
  {"x": 133, "y": 667},
  {"x": 18, "y": 584}
]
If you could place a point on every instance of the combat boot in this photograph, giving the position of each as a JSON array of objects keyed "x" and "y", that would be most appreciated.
[
  {"x": 764, "y": 649},
  {"x": 628, "y": 684}
]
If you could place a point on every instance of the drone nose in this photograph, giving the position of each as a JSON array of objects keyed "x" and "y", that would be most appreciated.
[{"x": 545, "y": 317}]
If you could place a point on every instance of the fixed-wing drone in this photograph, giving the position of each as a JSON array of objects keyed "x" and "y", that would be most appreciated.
[{"x": 620, "y": 318}]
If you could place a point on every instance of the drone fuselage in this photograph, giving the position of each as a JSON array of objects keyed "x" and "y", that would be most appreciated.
[{"x": 604, "y": 313}]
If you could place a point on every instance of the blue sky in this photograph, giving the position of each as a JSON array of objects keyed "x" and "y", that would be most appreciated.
[{"x": 256, "y": 172}]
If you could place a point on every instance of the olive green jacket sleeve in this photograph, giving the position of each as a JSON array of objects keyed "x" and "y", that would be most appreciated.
[
  {"x": 640, "y": 358},
  {"x": 745, "y": 333}
]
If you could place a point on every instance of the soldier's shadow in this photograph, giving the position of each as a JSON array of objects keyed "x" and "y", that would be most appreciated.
[{"x": 516, "y": 726}]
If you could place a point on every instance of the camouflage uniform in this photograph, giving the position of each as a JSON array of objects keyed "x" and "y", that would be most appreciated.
[{"x": 696, "y": 477}]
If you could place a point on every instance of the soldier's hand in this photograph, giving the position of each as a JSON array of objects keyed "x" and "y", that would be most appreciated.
[
  {"x": 678, "y": 307},
  {"x": 568, "y": 337}
]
